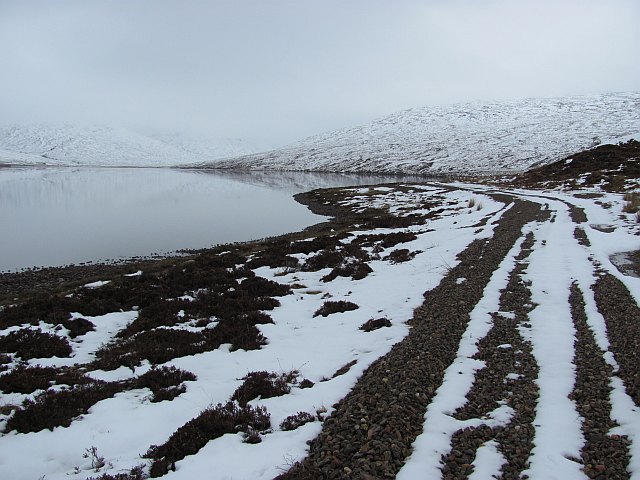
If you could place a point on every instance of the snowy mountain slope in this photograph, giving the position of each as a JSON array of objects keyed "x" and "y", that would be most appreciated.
[
  {"x": 207, "y": 147},
  {"x": 106, "y": 146},
  {"x": 15, "y": 158},
  {"x": 463, "y": 138}
]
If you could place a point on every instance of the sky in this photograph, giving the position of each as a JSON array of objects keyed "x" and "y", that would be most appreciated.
[{"x": 275, "y": 71}]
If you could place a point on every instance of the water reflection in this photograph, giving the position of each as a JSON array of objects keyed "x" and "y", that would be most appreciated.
[
  {"x": 296, "y": 182},
  {"x": 60, "y": 216}
]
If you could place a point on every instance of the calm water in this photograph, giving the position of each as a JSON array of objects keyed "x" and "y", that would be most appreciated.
[{"x": 59, "y": 216}]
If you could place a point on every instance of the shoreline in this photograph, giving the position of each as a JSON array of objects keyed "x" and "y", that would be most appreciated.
[{"x": 35, "y": 280}]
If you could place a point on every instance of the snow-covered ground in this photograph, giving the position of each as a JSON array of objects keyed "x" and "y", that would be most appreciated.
[
  {"x": 108, "y": 146},
  {"x": 123, "y": 427},
  {"x": 463, "y": 138}
]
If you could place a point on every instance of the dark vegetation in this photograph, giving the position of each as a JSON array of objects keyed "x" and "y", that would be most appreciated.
[
  {"x": 374, "y": 324},
  {"x": 237, "y": 306},
  {"x": 166, "y": 383},
  {"x": 344, "y": 369},
  {"x": 264, "y": 385},
  {"x": 328, "y": 258},
  {"x": 306, "y": 383},
  {"x": 78, "y": 326},
  {"x": 55, "y": 408},
  {"x": 357, "y": 270},
  {"x": 4, "y": 361},
  {"x": 27, "y": 343},
  {"x": 162, "y": 345},
  {"x": 401, "y": 255},
  {"x": 136, "y": 473},
  {"x": 221, "y": 291},
  {"x": 296, "y": 421},
  {"x": 121, "y": 294},
  {"x": 195, "y": 434},
  {"x": 387, "y": 240},
  {"x": 23, "y": 379},
  {"x": 335, "y": 307},
  {"x": 608, "y": 165}
]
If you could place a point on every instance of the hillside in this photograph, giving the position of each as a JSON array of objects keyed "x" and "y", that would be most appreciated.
[
  {"x": 107, "y": 146},
  {"x": 614, "y": 168},
  {"x": 468, "y": 138}
]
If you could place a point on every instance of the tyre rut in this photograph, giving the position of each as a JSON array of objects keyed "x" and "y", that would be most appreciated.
[
  {"x": 371, "y": 431},
  {"x": 603, "y": 455},
  {"x": 622, "y": 318},
  {"x": 494, "y": 385}
]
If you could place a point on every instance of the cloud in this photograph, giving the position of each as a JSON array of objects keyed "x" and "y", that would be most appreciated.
[{"x": 278, "y": 70}]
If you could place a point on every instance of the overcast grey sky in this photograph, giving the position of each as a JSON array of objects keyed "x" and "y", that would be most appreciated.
[{"x": 279, "y": 70}]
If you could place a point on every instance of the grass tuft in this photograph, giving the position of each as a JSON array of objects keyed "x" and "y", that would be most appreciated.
[
  {"x": 401, "y": 255},
  {"x": 196, "y": 433},
  {"x": 54, "y": 408},
  {"x": 136, "y": 473},
  {"x": 264, "y": 385},
  {"x": 164, "y": 382},
  {"x": 374, "y": 324},
  {"x": 335, "y": 307},
  {"x": 23, "y": 379},
  {"x": 356, "y": 270},
  {"x": 296, "y": 421}
]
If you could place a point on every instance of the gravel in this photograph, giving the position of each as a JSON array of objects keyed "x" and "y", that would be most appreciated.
[
  {"x": 370, "y": 433},
  {"x": 622, "y": 317},
  {"x": 604, "y": 456},
  {"x": 515, "y": 440}
]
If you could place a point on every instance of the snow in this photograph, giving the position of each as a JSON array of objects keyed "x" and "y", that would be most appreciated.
[
  {"x": 98, "y": 284},
  {"x": 136, "y": 274},
  {"x": 487, "y": 462},
  {"x": 462, "y": 138},
  {"x": 108, "y": 146},
  {"x": 558, "y": 434},
  {"x": 123, "y": 427}
]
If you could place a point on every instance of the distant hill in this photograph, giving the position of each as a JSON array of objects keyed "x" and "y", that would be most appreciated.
[
  {"x": 107, "y": 146},
  {"x": 471, "y": 138}
]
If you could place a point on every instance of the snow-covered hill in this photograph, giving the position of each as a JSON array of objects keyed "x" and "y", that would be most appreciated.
[
  {"x": 463, "y": 138},
  {"x": 107, "y": 146}
]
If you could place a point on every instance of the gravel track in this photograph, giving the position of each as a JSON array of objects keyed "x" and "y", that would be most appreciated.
[
  {"x": 493, "y": 386},
  {"x": 622, "y": 317},
  {"x": 371, "y": 431},
  {"x": 604, "y": 456}
]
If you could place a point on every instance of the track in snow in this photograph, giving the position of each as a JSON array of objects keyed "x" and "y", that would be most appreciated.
[{"x": 542, "y": 384}]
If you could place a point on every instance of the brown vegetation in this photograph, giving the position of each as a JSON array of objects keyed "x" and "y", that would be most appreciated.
[
  {"x": 195, "y": 434},
  {"x": 335, "y": 307}
]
